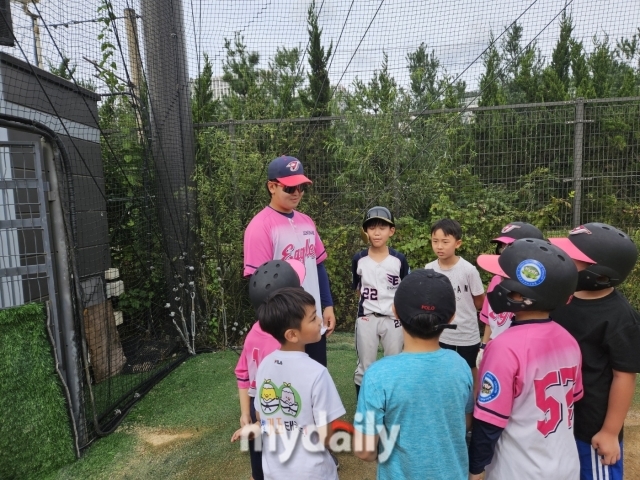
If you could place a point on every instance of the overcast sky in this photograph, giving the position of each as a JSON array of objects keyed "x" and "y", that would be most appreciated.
[{"x": 458, "y": 30}]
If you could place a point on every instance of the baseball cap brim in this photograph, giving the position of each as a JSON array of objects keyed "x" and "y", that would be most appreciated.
[
  {"x": 491, "y": 265},
  {"x": 507, "y": 240},
  {"x": 299, "y": 268},
  {"x": 293, "y": 180},
  {"x": 570, "y": 249},
  {"x": 384, "y": 219}
]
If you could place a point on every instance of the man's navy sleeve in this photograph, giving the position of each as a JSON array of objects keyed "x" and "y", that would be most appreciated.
[{"x": 325, "y": 288}]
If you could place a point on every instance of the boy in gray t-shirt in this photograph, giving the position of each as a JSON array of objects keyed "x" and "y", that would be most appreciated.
[{"x": 446, "y": 238}]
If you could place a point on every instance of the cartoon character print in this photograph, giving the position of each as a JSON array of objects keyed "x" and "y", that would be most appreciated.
[
  {"x": 269, "y": 401},
  {"x": 289, "y": 400}
]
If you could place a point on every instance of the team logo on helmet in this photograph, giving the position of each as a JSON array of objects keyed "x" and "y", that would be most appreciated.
[
  {"x": 293, "y": 165},
  {"x": 509, "y": 227},
  {"x": 531, "y": 273},
  {"x": 490, "y": 388},
  {"x": 580, "y": 229}
]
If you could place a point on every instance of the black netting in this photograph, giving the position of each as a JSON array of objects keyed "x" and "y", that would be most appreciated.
[{"x": 155, "y": 121}]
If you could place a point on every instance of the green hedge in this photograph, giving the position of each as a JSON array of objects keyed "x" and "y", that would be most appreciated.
[{"x": 35, "y": 435}]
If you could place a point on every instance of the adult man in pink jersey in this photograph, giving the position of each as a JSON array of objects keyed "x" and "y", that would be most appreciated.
[
  {"x": 280, "y": 232},
  {"x": 531, "y": 373}
]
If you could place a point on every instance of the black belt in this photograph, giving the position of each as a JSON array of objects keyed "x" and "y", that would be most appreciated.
[{"x": 379, "y": 315}]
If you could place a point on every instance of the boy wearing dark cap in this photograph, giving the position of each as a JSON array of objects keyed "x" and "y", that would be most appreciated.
[
  {"x": 423, "y": 382},
  {"x": 280, "y": 232}
]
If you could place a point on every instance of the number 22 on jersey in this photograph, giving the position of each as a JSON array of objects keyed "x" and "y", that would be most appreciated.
[{"x": 552, "y": 408}]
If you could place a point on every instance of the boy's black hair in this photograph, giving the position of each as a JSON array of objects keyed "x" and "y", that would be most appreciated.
[
  {"x": 425, "y": 326},
  {"x": 283, "y": 310},
  {"x": 376, "y": 222},
  {"x": 448, "y": 227}
]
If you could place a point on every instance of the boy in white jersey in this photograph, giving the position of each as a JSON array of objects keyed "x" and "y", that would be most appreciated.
[
  {"x": 296, "y": 399},
  {"x": 280, "y": 232},
  {"x": 496, "y": 323},
  {"x": 377, "y": 272},
  {"x": 446, "y": 238},
  {"x": 531, "y": 374}
]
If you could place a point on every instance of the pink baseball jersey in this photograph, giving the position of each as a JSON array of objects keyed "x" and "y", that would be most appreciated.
[
  {"x": 257, "y": 345},
  {"x": 272, "y": 236},
  {"x": 498, "y": 322},
  {"x": 531, "y": 377}
]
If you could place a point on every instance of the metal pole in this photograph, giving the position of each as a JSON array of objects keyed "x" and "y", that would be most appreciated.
[
  {"x": 171, "y": 123},
  {"x": 65, "y": 321},
  {"x": 135, "y": 62},
  {"x": 578, "y": 146}
]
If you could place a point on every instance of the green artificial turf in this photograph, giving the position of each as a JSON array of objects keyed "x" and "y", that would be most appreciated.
[
  {"x": 35, "y": 434},
  {"x": 181, "y": 429}
]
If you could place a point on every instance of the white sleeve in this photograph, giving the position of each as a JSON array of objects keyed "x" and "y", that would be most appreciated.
[
  {"x": 475, "y": 282},
  {"x": 326, "y": 403}
]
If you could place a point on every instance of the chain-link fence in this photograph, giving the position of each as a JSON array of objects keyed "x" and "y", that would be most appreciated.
[
  {"x": 378, "y": 99},
  {"x": 556, "y": 164}
]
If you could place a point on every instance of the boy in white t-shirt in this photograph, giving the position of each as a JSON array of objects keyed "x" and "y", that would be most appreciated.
[
  {"x": 446, "y": 238},
  {"x": 296, "y": 398}
]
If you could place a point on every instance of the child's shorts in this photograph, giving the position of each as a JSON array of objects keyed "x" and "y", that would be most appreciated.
[
  {"x": 468, "y": 352},
  {"x": 592, "y": 469}
]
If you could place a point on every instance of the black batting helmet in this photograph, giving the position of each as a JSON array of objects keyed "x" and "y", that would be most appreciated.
[
  {"x": 515, "y": 231},
  {"x": 609, "y": 251},
  {"x": 380, "y": 213},
  {"x": 375, "y": 213},
  {"x": 272, "y": 276},
  {"x": 539, "y": 271}
]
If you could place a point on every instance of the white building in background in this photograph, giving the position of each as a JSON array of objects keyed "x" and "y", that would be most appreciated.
[{"x": 219, "y": 88}]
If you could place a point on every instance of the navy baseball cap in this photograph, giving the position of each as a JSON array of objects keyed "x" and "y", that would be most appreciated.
[
  {"x": 287, "y": 170},
  {"x": 425, "y": 291}
]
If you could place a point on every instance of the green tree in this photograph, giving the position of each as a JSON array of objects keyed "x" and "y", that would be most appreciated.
[
  {"x": 241, "y": 73},
  {"x": 317, "y": 97},
  {"x": 423, "y": 75},
  {"x": 491, "y": 91},
  {"x": 561, "y": 56},
  {"x": 203, "y": 106},
  {"x": 582, "y": 82},
  {"x": 282, "y": 80},
  {"x": 601, "y": 64},
  {"x": 380, "y": 94}
]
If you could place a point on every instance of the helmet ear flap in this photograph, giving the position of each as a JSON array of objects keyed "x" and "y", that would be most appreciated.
[{"x": 364, "y": 235}]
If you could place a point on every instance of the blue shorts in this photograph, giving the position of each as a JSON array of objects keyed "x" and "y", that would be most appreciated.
[{"x": 592, "y": 469}]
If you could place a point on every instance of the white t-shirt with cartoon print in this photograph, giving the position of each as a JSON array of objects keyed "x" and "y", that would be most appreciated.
[{"x": 295, "y": 395}]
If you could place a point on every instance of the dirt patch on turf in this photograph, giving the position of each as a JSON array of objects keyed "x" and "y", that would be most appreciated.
[
  {"x": 632, "y": 451},
  {"x": 162, "y": 438}
]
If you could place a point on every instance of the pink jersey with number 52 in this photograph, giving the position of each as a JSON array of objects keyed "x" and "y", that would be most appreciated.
[{"x": 530, "y": 378}]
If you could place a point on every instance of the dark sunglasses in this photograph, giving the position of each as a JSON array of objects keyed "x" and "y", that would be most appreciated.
[{"x": 292, "y": 190}]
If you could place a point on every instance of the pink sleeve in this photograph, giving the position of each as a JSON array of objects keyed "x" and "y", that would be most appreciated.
[
  {"x": 499, "y": 384},
  {"x": 484, "y": 313},
  {"x": 258, "y": 245},
  {"x": 321, "y": 253},
  {"x": 242, "y": 370}
]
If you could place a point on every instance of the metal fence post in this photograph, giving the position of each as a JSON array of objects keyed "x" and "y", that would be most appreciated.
[{"x": 578, "y": 145}]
